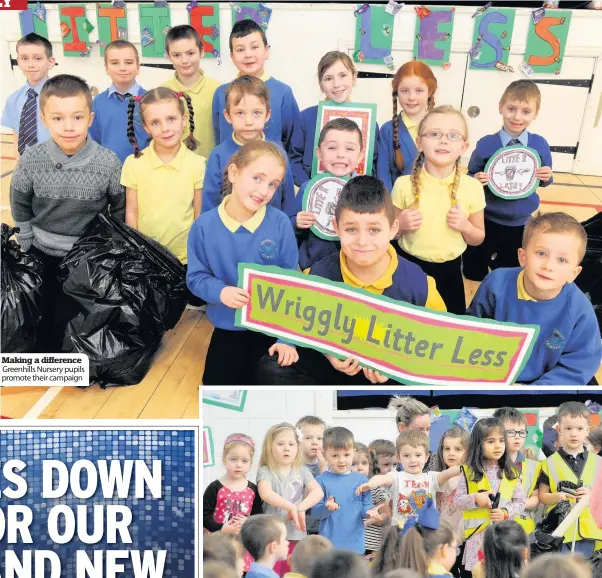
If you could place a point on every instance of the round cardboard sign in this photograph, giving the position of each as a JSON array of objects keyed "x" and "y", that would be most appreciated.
[
  {"x": 512, "y": 172},
  {"x": 320, "y": 198}
]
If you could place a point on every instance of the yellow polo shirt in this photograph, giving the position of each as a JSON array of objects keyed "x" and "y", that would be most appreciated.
[
  {"x": 233, "y": 225},
  {"x": 410, "y": 125},
  {"x": 201, "y": 95},
  {"x": 520, "y": 288},
  {"x": 433, "y": 299},
  {"x": 165, "y": 195},
  {"x": 434, "y": 241}
]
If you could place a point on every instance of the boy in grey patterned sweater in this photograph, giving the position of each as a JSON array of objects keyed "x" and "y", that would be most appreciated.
[{"x": 60, "y": 186}]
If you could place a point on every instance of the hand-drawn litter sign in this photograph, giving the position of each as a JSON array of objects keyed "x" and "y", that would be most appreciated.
[
  {"x": 320, "y": 198},
  {"x": 512, "y": 172}
]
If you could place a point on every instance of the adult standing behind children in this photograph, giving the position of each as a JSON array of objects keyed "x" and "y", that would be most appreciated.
[
  {"x": 22, "y": 111},
  {"x": 414, "y": 87},
  {"x": 505, "y": 219},
  {"x": 184, "y": 48},
  {"x": 247, "y": 110},
  {"x": 249, "y": 50},
  {"x": 59, "y": 187},
  {"x": 110, "y": 108}
]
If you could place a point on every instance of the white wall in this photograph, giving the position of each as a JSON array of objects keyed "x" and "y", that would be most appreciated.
[
  {"x": 264, "y": 408},
  {"x": 300, "y": 34}
]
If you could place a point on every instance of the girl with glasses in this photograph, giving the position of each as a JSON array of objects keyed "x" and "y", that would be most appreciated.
[{"x": 440, "y": 209}]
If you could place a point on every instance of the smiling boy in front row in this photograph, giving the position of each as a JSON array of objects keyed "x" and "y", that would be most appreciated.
[{"x": 568, "y": 349}]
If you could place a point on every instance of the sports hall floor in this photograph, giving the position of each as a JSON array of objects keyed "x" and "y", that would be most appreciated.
[{"x": 170, "y": 389}]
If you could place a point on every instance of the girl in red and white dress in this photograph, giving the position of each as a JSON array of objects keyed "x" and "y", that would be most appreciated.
[{"x": 228, "y": 501}]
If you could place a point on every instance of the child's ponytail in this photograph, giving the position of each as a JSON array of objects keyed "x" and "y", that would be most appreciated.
[
  {"x": 420, "y": 544},
  {"x": 189, "y": 141},
  {"x": 399, "y": 160},
  {"x": 130, "y": 128},
  {"x": 415, "y": 179},
  {"x": 388, "y": 556},
  {"x": 456, "y": 183}
]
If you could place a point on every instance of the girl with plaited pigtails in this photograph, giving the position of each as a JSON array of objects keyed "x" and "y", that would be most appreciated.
[
  {"x": 414, "y": 87},
  {"x": 163, "y": 183}
]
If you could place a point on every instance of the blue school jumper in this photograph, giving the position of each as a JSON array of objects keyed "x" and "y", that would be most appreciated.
[
  {"x": 283, "y": 199},
  {"x": 386, "y": 169}
]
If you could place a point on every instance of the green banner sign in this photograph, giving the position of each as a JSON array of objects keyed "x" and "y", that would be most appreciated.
[{"x": 407, "y": 343}]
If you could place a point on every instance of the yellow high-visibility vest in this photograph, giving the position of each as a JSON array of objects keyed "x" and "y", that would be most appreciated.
[
  {"x": 528, "y": 478},
  {"x": 558, "y": 471},
  {"x": 477, "y": 520}
]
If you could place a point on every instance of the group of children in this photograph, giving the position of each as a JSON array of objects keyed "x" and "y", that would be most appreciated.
[
  {"x": 210, "y": 173},
  {"x": 400, "y": 505}
]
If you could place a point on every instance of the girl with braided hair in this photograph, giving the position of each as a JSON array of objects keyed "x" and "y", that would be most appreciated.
[
  {"x": 414, "y": 87},
  {"x": 163, "y": 183},
  {"x": 440, "y": 209}
]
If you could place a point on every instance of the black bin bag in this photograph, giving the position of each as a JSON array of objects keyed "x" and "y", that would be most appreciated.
[
  {"x": 21, "y": 285},
  {"x": 126, "y": 291},
  {"x": 542, "y": 541},
  {"x": 590, "y": 278}
]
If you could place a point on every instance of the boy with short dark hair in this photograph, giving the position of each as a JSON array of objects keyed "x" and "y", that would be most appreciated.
[
  {"x": 184, "y": 48},
  {"x": 304, "y": 555},
  {"x": 505, "y": 219},
  {"x": 22, "y": 111},
  {"x": 365, "y": 223},
  {"x": 515, "y": 427},
  {"x": 110, "y": 108},
  {"x": 541, "y": 292},
  {"x": 569, "y": 474},
  {"x": 340, "y": 513},
  {"x": 249, "y": 50},
  {"x": 264, "y": 538},
  {"x": 60, "y": 186}
]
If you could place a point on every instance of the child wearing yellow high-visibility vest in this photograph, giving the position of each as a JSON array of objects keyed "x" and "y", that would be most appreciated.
[
  {"x": 572, "y": 463},
  {"x": 515, "y": 426},
  {"x": 489, "y": 470}
]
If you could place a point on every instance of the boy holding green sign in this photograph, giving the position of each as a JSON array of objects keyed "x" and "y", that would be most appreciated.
[
  {"x": 365, "y": 223},
  {"x": 568, "y": 348}
]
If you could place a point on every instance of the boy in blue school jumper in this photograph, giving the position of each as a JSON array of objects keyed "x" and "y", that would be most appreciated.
[
  {"x": 541, "y": 292},
  {"x": 264, "y": 538},
  {"x": 110, "y": 108},
  {"x": 249, "y": 50},
  {"x": 22, "y": 110},
  {"x": 341, "y": 512},
  {"x": 505, "y": 219},
  {"x": 248, "y": 111},
  {"x": 365, "y": 222}
]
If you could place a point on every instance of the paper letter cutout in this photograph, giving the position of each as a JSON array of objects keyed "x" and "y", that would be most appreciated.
[
  {"x": 493, "y": 29},
  {"x": 545, "y": 47},
  {"x": 436, "y": 27},
  {"x": 29, "y": 22},
  {"x": 370, "y": 37},
  {"x": 156, "y": 19},
  {"x": 108, "y": 30},
  {"x": 76, "y": 42},
  {"x": 204, "y": 18}
]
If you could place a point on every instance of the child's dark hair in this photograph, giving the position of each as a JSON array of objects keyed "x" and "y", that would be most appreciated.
[
  {"x": 510, "y": 414},
  {"x": 333, "y": 57},
  {"x": 306, "y": 552},
  {"x": 65, "y": 86},
  {"x": 424, "y": 72},
  {"x": 344, "y": 124},
  {"x": 504, "y": 548},
  {"x": 259, "y": 531},
  {"x": 365, "y": 194},
  {"x": 37, "y": 40},
  {"x": 380, "y": 448},
  {"x": 388, "y": 556},
  {"x": 420, "y": 544},
  {"x": 223, "y": 548},
  {"x": 245, "y": 27},
  {"x": 595, "y": 438},
  {"x": 339, "y": 564},
  {"x": 572, "y": 409},
  {"x": 360, "y": 448},
  {"x": 248, "y": 153},
  {"x": 479, "y": 434},
  {"x": 338, "y": 438},
  {"x": 182, "y": 32},
  {"x": 453, "y": 432},
  {"x": 160, "y": 94},
  {"x": 244, "y": 85},
  {"x": 121, "y": 43}
]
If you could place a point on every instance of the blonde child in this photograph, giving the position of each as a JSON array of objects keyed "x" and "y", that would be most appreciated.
[
  {"x": 248, "y": 111},
  {"x": 306, "y": 551},
  {"x": 286, "y": 487},
  {"x": 244, "y": 228},
  {"x": 229, "y": 500},
  {"x": 488, "y": 470},
  {"x": 414, "y": 87},
  {"x": 411, "y": 414},
  {"x": 340, "y": 150},
  {"x": 224, "y": 549},
  {"x": 440, "y": 209},
  {"x": 337, "y": 76},
  {"x": 184, "y": 48},
  {"x": 452, "y": 452},
  {"x": 558, "y": 566}
]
